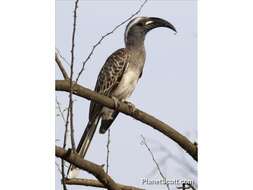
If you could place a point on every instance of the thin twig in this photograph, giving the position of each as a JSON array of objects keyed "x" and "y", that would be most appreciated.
[
  {"x": 108, "y": 151},
  {"x": 64, "y": 146},
  {"x": 63, "y": 175},
  {"x": 70, "y": 107},
  {"x": 169, "y": 155},
  {"x": 153, "y": 157},
  {"x": 58, "y": 167},
  {"x": 104, "y": 36},
  {"x": 71, "y": 79},
  {"x": 60, "y": 110},
  {"x": 62, "y": 57},
  {"x": 66, "y": 127},
  {"x": 63, "y": 71}
]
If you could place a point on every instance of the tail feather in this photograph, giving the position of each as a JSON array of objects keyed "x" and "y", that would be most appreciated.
[
  {"x": 106, "y": 123},
  {"x": 83, "y": 146}
]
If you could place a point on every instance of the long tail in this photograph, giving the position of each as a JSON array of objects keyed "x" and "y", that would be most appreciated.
[{"x": 83, "y": 146}]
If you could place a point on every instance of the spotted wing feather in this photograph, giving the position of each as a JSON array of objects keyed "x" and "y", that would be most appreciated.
[{"x": 109, "y": 77}]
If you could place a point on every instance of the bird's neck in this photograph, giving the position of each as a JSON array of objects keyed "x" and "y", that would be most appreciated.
[
  {"x": 137, "y": 50},
  {"x": 135, "y": 43}
]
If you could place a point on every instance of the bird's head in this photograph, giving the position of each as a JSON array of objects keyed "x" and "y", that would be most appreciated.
[{"x": 138, "y": 27}]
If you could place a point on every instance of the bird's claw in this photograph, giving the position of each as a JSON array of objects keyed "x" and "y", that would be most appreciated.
[{"x": 116, "y": 102}]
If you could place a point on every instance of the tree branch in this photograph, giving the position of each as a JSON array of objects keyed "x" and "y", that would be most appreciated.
[
  {"x": 59, "y": 63},
  {"x": 70, "y": 110},
  {"x": 64, "y": 146},
  {"x": 95, "y": 183},
  {"x": 88, "y": 166},
  {"x": 187, "y": 145},
  {"x": 108, "y": 150}
]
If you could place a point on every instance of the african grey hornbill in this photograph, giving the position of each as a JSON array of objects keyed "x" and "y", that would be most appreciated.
[{"x": 118, "y": 78}]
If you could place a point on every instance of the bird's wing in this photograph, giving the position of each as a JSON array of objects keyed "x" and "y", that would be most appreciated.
[{"x": 109, "y": 77}]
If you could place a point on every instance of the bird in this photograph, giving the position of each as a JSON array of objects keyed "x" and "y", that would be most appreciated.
[{"x": 118, "y": 78}]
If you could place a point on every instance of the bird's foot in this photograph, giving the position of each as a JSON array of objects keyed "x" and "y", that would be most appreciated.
[
  {"x": 116, "y": 102},
  {"x": 131, "y": 106}
]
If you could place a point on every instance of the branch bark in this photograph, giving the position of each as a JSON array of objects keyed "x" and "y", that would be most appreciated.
[
  {"x": 88, "y": 166},
  {"x": 59, "y": 63},
  {"x": 95, "y": 183},
  {"x": 187, "y": 145}
]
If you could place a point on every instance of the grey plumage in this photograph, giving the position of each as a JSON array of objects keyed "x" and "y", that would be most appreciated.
[{"x": 119, "y": 76}]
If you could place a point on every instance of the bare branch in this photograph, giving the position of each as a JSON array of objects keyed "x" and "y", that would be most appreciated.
[
  {"x": 169, "y": 155},
  {"x": 64, "y": 146},
  {"x": 62, "y": 57},
  {"x": 62, "y": 171},
  {"x": 60, "y": 110},
  {"x": 139, "y": 115},
  {"x": 95, "y": 183},
  {"x": 108, "y": 151},
  {"x": 70, "y": 106},
  {"x": 58, "y": 167},
  {"x": 88, "y": 166},
  {"x": 63, "y": 175},
  {"x": 66, "y": 127},
  {"x": 70, "y": 110},
  {"x": 63, "y": 71},
  {"x": 106, "y": 35},
  {"x": 153, "y": 158}
]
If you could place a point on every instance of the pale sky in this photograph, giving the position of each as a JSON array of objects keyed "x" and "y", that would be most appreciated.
[{"x": 167, "y": 89}]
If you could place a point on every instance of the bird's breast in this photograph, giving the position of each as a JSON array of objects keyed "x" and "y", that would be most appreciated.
[{"x": 127, "y": 84}]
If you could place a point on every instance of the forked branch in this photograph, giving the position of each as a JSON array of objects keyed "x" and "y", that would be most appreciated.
[{"x": 88, "y": 166}]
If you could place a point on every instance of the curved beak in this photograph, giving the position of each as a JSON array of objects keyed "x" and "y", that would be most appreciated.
[{"x": 154, "y": 22}]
